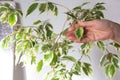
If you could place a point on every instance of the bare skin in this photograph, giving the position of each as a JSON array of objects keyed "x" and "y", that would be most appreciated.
[{"x": 96, "y": 30}]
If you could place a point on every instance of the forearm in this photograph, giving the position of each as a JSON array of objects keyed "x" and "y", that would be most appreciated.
[{"x": 116, "y": 32}]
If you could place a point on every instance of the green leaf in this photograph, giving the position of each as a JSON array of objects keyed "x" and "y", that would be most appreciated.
[
  {"x": 42, "y": 7},
  {"x": 99, "y": 14},
  {"x": 7, "y": 5},
  {"x": 36, "y": 22},
  {"x": 79, "y": 33},
  {"x": 18, "y": 36},
  {"x": 32, "y": 8},
  {"x": 50, "y": 6},
  {"x": 33, "y": 59},
  {"x": 3, "y": 9},
  {"x": 4, "y": 17},
  {"x": 56, "y": 11},
  {"x": 70, "y": 58},
  {"x": 78, "y": 67},
  {"x": 19, "y": 48},
  {"x": 49, "y": 30},
  {"x": 12, "y": 19},
  {"x": 19, "y": 12},
  {"x": 55, "y": 59},
  {"x": 103, "y": 59},
  {"x": 85, "y": 3},
  {"x": 86, "y": 47},
  {"x": 39, "y": 65},
  {"x": 87, "y": 69},
  {"x": 48, "y": 57},
  {"x": 26, "y": 45},
  {"x": 71, "y": 15},
  {"x": 46, "y": 47},
  {"x": 109, "y": 56},
  {"x": 99, "y": 6},
  {"x": 101, "y": 45},
  {"x": 116, "y": 45},
  {"x": 107, "y": 69},
  {"x": 112, "y": 71},
  {"x": 5, "y": 42},
  {"x": 116, "y": 62}
]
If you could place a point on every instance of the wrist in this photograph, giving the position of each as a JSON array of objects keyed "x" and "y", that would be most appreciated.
[{"x": 116, "y": 33}]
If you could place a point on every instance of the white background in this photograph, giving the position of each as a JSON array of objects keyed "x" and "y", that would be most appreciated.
[{"x": 112, "y": 13}]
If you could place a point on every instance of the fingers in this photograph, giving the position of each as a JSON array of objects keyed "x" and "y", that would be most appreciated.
[
  {"x": 73, "y": 27},
  {"x": 70, "y": 36},
  {"x": 84, "y": 24}
]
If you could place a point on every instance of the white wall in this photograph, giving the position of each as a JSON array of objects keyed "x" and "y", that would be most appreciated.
[{"x": 112, "y": 13}]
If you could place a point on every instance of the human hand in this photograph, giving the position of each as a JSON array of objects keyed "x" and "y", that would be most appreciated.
[{"x": 95, "y": 30}]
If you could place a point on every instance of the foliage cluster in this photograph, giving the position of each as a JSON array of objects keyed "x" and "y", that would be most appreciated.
[{"x": 55, "y": 47}]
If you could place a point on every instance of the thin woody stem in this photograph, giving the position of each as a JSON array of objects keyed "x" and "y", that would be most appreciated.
[
  {"x": 61, "y": 31},
  {"x": 62, "y": 6}
]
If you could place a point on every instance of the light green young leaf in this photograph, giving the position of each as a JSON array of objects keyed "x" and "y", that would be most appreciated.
[
  {"x": 79, "y": 33},
  {"x": 4, "y": 17},
  {"x": 48, "y": 57},
  {"x": 39, "y": 65},
  {"x": 33, "y": 59},
  {"x": 32, "y": 8},
  {"x": 70, "y": 58},
  {"x": 12, "y": 19},
  {"x": 5, "y": 42}
]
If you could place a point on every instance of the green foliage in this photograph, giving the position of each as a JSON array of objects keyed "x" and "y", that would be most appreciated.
[
  {"x": 116, "y": 45},
  {"x": 32, "y": 8},
  {"x": 110, "y": 62},
  {"x": 8, "y": 14},
  {"x": 43, "y": 7},
  {"x": 87, "y": 69},
  {"x": 5, "y": 42},
  {"x": 70, "y": 58},
  {"x": 40, "y": 65},
  {"x": 12, "y": 19},
  {"x": 101, "y": 45},
  {"x": 55, "y": 47}
]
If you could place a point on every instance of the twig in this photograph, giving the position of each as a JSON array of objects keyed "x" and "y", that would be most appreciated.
[
  {"x": 61, "y": 6},
  {"x": 59, "y": 35}
]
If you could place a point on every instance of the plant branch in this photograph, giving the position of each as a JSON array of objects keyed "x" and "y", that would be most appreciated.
[
  {"x": 59, "y": 35},
  {"x": 61, "y": 6}
]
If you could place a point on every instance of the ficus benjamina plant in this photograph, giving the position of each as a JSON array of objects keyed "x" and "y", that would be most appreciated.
[{"x": 55, "y": 47}]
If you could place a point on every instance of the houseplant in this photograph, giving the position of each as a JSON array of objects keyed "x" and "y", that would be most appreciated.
[{"x": 54, "y": 46}]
